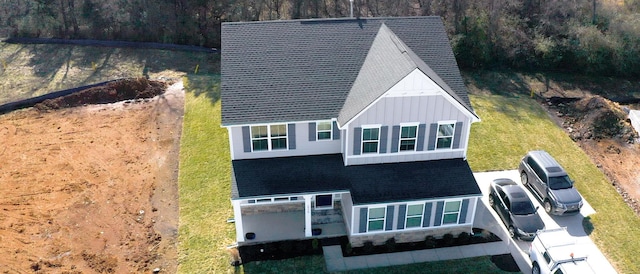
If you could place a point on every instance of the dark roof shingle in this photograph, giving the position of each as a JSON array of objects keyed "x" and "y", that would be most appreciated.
[
  {"x": 377, "y": 183},
  {"x": 302, "y": 70}
]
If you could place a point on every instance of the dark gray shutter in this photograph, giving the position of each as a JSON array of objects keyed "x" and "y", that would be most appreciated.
[
  {"x": 402, "y": 214},
  {"x": 357, "y": 139},
  {"x": 456, "y": 135},
  {"x": 292, "y": 136},
  {"x": 426, "y": 218},
  {"x": 363, "y": 219},
  {"x": 433, "y": 130},
  {"x": 384, "y": 132},
  {"x": 422, "y": 128},
  {"x": 246, "y": 138},
  {"x": 389, "y": 218},
  {"x": 336, "y": 131},
  {"x": 395, "y": 138},
  {"x": 312, "y": 131},
  {"x": 439, "y": 209},
  {"x": 463, "y": 211}
]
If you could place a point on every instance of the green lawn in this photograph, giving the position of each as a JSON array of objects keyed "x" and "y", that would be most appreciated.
[
  {"x": 204, "y": 182},
  {"x": 511, "y": 126}
]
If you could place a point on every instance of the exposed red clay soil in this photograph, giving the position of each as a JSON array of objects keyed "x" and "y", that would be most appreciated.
[
  {"x": 601, "y": 128},
  {"x": 93, "y": 188}
]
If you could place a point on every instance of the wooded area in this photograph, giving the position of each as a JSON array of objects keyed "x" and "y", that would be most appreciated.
[{"x": 582, "y": 36}]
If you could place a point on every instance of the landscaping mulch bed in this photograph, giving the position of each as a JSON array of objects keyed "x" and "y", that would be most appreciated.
[{"x": 448, "y": 240}]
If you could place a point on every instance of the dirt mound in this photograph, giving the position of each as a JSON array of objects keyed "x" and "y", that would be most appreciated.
[
  {"x": 120, "y": 90},
  {"x": 597, "y": 118}
]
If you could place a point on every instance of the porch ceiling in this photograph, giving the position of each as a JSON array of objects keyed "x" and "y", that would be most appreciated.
[{"x": 375, "y": 183}]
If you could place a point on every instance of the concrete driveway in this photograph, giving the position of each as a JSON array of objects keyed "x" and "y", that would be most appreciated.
[{"x": 488, "y": 219}]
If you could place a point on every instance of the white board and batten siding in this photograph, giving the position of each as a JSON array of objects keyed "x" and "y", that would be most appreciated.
[
  {"x": 347, "y": 211},
  {"x": 396, "y": 215},
  {"x": 390, "y": 112},
  {"x": 301, "y": 141},
  {"x": 414, "y": 99}
]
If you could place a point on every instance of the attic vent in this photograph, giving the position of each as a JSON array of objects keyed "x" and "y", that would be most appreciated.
[{"x": 399, "y": 44}]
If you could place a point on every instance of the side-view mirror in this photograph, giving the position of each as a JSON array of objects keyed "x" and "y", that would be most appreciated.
[{"x": 537, "y": 207}]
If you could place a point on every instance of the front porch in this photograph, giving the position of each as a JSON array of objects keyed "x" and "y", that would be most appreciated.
[{"x": 272, "y": 227}]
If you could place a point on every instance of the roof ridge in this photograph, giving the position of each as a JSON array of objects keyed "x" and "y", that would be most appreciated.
[{"x": 388, "y": 57}]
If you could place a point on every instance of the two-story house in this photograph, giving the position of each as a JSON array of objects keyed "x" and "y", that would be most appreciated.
[{"x": 354, "y": 127}]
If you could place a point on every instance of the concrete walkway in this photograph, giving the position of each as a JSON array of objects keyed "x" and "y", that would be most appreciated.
[{"x": 336, "y": 262}]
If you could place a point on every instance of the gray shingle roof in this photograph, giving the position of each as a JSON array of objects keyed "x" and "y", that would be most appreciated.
[
  {"x": 378, "y": 183},
  {"x": 301, "y": 70}
]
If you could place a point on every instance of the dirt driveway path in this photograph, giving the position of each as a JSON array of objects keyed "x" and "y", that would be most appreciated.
[{"x": 91, "y": 189}]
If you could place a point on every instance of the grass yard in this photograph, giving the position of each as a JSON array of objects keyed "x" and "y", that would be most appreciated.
[
  {"x": 511, "y": 126},
  {"x": 204, "y": 182}
]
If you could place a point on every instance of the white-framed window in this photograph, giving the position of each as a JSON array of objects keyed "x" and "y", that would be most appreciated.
[
  {"x": 269, "y": 137},
  {"x": 324, "y": 201},
  {"x": 370, "y": 139},
  {"x": 408, "y": 137},
  {"x": 444, "y": 138},
  {"x": 414, "y": 215},
  {"x": 324, "y": 130},
  {"x": 451, "y": 212},
  {"x": 375, "y": 220},
  {"x": 273, "y": 200}
]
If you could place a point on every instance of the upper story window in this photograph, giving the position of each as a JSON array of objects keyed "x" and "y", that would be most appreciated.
[
  {"x": 445, "y": 135},
  {"x": 269, "y": 137},
  {"x": 370, "y": 139},
  {"x": 323, "y": 130},
  {"x": 408, "y": 137}
]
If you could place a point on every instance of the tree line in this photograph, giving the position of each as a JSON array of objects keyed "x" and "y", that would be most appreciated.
[{"x": 580, "y": 36}]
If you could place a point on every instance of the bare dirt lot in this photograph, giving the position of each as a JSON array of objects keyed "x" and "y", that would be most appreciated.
[
  {"x": 601, "y": 128},
  {"x": 91, "y": 189}
]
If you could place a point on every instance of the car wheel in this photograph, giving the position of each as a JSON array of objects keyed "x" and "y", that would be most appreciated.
[
  {"x": 535, "y": 269},
  {"x": 547, "y": 206},
  {"x": 512, "y": 232},
  {"x": 491, "y": 201},
  {"x": 523, "y": 178}
]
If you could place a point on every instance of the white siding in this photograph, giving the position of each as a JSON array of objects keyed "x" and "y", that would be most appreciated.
[
  {"x": 303, "y": 145},
  {"x": 347, "y": 209},
  {"x": 432, "y": 222},
  {"x": 392, "y": 111}
]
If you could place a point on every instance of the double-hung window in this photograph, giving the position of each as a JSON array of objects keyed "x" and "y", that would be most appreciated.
[
  {"x": 269, "y": 137},
  {"x": 408, "y": 137},
  {"x": 376, "y": 219},
  {"x": 451, "y": 212},
  {"x": 370, "y": 139},
  {"x": 445, "y": 135},
  {"x": 414, "y": 215},
  {"x": 323, "y": 130}
]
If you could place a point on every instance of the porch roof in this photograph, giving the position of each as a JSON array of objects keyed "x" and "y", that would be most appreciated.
[{"x": 376, "y": 183}]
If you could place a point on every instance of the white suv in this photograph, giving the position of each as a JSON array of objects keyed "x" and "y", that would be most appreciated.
[{"x": 555, "y": 251}]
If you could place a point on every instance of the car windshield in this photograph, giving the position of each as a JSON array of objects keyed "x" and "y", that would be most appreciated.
[
  {"x": 560, "y": 182},
  {"x": 522, "y": 208}
]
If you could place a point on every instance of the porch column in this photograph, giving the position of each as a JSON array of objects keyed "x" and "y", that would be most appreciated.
[
  {"x": 237, "y": 216},
  {"x": 307, "y": 215}
]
